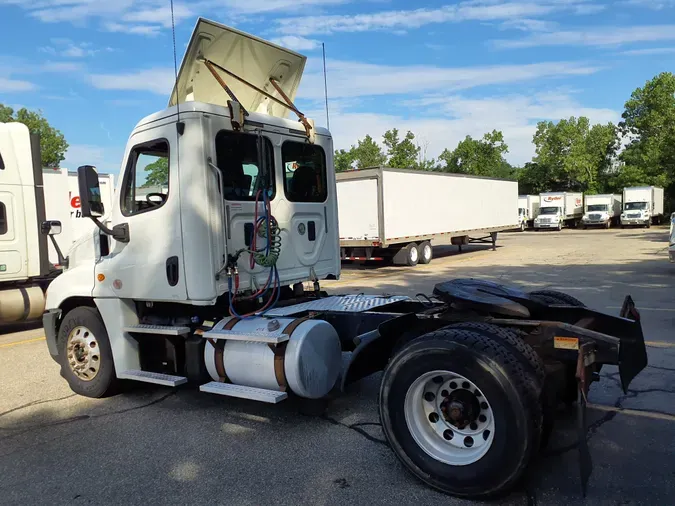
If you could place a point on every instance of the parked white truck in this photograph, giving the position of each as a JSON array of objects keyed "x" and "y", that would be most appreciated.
[
  {"x": 559, "y": 209},
  {"x": 642, "y": 206},
  {"x": 528, "y": 210},
  {"x": 204, "y": 284},
  {"x": 601, "y": 210},
  {"x": 395, "y": 214},
  {"x": 28, "y": 195}
]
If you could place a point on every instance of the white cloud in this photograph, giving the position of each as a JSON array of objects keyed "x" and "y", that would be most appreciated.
[
  {"x": 69, "y": 49},
  {"x": 475, "y": 10},
  {"x": 353, "y": 79},
  {"x": 442, "y": 121},
  {"x": 60, "y": 67},
  {"x": 656, "y": 5},
  {"x": 650, "y": 51},
  {"x": 155, "y": 80},
  {"x": 601, "y": 36},
  {"x": 530, "y": 25},
  {"x": 14, "y": 85},
  {"x": 150, "y": 30},
  {"x": 297, "y": 43}
]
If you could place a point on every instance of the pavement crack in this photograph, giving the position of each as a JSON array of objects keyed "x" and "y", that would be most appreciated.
[
  {"x": 36, "y": 403},
  {"x": 27, "y": 428},
  {"x": 660, "y": 368},
  {"x": 356, "y": 427}
]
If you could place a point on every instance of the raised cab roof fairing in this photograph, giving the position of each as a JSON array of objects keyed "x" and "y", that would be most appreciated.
[{"x": 247, "y": 56}]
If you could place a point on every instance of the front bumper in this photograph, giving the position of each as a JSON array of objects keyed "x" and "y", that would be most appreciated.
[
  {"x": 595, "y": 222},
  {"x": 546, "y": 225},
  {"x": 49, "y": 322},
  {"x": 635, "y": 221}
]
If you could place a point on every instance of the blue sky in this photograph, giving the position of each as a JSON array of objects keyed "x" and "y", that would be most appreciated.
[{"x": 441, "y": 69}]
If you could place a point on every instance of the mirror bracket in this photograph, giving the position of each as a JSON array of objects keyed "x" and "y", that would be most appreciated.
[{"x": 119, "y": 232}]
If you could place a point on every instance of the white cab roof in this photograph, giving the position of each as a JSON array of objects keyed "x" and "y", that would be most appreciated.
[{"x": 247, "y": 56}]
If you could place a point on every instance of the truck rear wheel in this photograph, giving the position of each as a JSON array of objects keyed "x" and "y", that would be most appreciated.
[
  {"x": 556, "y": 297},
  {"x": 459, "y": 412},
  {"x": 425, "y": 252},
  {"x": 85, "y": 354}
]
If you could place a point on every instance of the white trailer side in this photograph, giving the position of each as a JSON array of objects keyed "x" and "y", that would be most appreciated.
[{"x": 384, "y": 211}]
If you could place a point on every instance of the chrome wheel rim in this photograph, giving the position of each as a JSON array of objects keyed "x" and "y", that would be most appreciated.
[
  {"x": 83, "y": 352},
  {"x": 449, "y": 417}
]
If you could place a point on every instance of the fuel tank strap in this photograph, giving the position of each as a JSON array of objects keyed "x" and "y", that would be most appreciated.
[
  {"x": 279, "y": 351},
  {"x": 219, "y": 348}
]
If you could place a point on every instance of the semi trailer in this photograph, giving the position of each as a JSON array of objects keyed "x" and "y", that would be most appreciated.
[
  {"x": 528, "y": 210},
  {"x": 558, "y": 210},
  {"x": 395, "y": 214},
  {"x": 601, "y": 210},
  {"x": 29, "y": 194},
  {"x": 642, "y": 206},
  {"x": 216, "y": 282}
]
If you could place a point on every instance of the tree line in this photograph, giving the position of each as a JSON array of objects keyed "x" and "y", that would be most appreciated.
[{"x": 571, "y": 154}]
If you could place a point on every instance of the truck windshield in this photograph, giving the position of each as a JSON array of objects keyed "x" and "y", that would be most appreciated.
[
  {"x": 237, "y": 159},
  {"x": 635, "y": 206},
  {"x": 549, "y": 210},
  {"x": 521, "y": 211},
  {"x": 597, "y": 207}
]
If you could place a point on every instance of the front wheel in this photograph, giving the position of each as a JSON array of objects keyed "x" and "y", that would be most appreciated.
[
  {"x": 85, "y": 354},
  {"x": 560, "y": 227},
  {"x": 460, "y": 413}
]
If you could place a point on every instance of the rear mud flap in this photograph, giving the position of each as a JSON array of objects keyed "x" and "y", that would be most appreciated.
[{"x": 632, "y": 352}]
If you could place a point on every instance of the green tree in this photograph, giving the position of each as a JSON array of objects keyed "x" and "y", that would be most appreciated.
[
  {"x": 158, "y": 173},
  {"x": 53, "y": 145},
  {"x": 484, "y": 157},
  {"x": 367, "y": 153},
  {"x": 649, "y": 123},
  {"x": 402, "y": 154},
  {"x": 570, "y": 155},
  {"x": 344, "y": 160}
]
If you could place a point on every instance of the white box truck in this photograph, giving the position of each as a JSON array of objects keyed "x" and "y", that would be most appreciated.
[
  {"x": 642, "y": 206},
  {"x": 528, "y": 210},
  {"x": 559, "y": 209},
  {"x": 30, "y": 194},
  {"x": 394, "y": 214},
  {"x": 203, "y": 286},
  {"x": 601, "y": 210}
]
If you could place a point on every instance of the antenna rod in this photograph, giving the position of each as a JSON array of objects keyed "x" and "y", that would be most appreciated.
[
  {"x": 325, "y": 84},
  {"x": 175, "y": 63}
]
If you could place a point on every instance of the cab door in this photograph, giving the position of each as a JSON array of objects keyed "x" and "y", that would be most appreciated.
[{"x": 150, "y": 265}]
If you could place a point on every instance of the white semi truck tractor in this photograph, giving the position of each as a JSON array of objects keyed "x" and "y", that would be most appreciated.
[{"x": 213, "y": 281}]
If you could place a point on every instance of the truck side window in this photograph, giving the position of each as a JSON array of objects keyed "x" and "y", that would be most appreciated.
[
  {"x": 146, "y": 181},
  {"x": 2, "y": 163},
  {"x": 304, "y": 172},
  {"x": 237, "y": 159},
  {"x": 3, "y": 219}
]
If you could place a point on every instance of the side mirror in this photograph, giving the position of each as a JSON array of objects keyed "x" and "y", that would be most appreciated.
[
  {"x": 51, "y": 227},
  {"x": 90, "y": 192}
]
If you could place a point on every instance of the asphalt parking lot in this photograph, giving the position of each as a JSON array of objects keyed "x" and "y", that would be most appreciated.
[{"x": 162, "y": 446}]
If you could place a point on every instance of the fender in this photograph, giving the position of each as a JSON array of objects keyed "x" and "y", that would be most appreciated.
[
  {"x": 75, "y": 282},
  {"x": 376, "y": 348}
]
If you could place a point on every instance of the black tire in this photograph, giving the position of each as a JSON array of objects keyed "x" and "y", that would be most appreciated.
[
  {"x": 556, "y": 297},
  {"x": 105, "y": 382},
  {"x": 608, "y": 224},
  {"x": 560, "y": 227},
  {"x": 522, "y": 226},
  {"x": 505, "y": 384},
  {"x": 510, "y": 338},
  {"x": 649, "y": 224},
  {"x": 425, "y": 252},
  {"x": 412, "y": 257}
]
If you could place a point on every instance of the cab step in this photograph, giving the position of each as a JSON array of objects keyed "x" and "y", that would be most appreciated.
[
  {"x": 166, "y": 380},
  {"x": 260, "y": 337},
  {"x": 243, "y": 392},
  {"x": 168, "y": 330}
]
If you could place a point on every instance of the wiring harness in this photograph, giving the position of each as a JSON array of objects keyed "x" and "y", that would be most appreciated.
[{"x": 265, "y": 227}]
